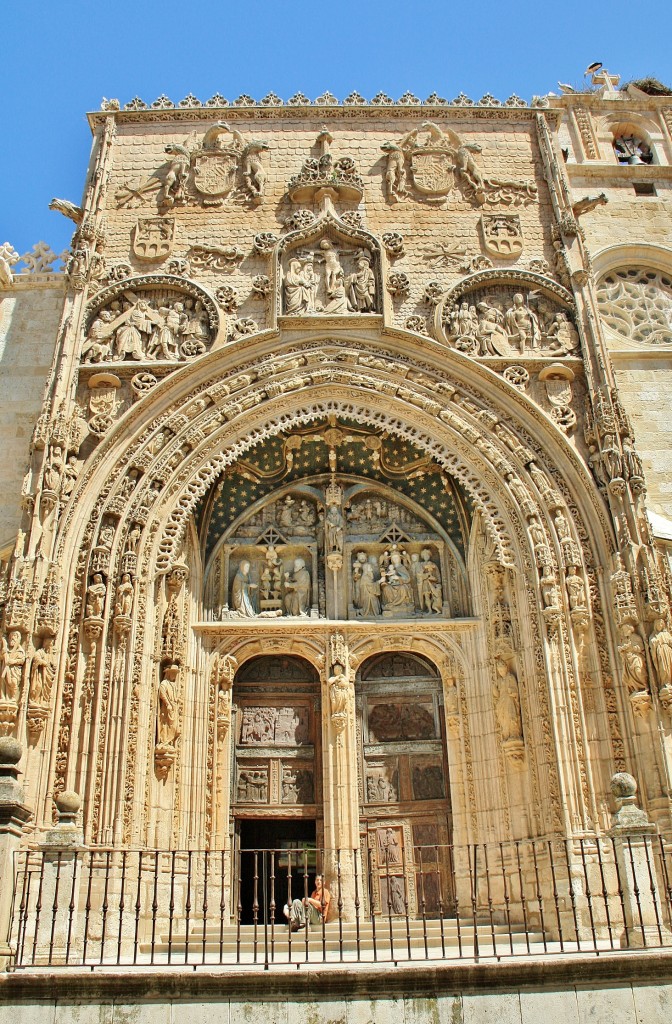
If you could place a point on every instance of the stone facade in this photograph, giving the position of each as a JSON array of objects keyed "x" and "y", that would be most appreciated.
[{"x": 334, "y": 513}]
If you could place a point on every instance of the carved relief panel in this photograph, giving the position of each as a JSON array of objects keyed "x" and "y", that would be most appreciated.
[
  {"x": 405, "y": 800},
  {"x": 275, "y": 733},
  {"x": 339, "y": 552},
  {"x": 508, "y": 320},
  {"x": 154, "y": 319}
]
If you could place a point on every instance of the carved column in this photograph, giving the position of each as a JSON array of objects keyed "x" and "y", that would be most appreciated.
[{"x": 341, "y": 796}]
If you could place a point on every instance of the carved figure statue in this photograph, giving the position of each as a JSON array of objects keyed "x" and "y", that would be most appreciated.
[
  {"x": 176, "y": 174},
  {"x": 339, "y": 693},
  {"x": 396, "y": 585},
  {"x": 133, "y": 538},
  {"x": 611, "y": 458},
  {"x": 465, "y": 165},
  {"x": 562, "y": 335},
  {"x": 429, "y": 584},
  {"x": 334, "y": 281},
  {"x": 334, "y": 528},
  {"x": 241, "y": 599},
  {"x": 362, "y": 285},
  {"x": 168, "y": 712},
  {"x": 507, "y": 702},
  {"x": 166, "y": 340},
  {"x": 660, "y": 644},
  {"x": 631, "y": 461},
  {"x": 252, "y": 168},
  {"x": 123, "y": 601},
  {"x": 12, "y": 660},
  {"x": 522, "y": 324},
  {"x": 42, "y": 672},
  {"x": 297, "y": 589},
  {"x": 95, "y": 597},
  {"x": 548, "y": 587},
  {"x": 395, "y": 170},
  {"x": 96, "y": 348},
  {"x": 465, "y": 324},
  {"x": 369, "y": 591},
  {"x": 388, "y": 845},
  {"x": 634, "y": 659},
  {"x": 54, "y": 469},
  {"x": 576, "y": 589},
  {"x": 491, "y": 333},
  {"x": 286, "y": 513},
  {"x": 300, "y": 287},
  {"x": 138, "y": 320},
  {"x": 70, "y": 474}
]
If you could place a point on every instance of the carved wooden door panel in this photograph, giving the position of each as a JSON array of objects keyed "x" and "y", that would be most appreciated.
[
  {"x": 277, "y": 730},
  {"x": 405, "y": 799}
]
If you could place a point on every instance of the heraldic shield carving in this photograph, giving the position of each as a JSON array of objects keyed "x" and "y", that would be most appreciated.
[
  {"x": 212, "y": 171},
  {"x": 215, "y": 165},
  {"x": 153, "y": 238},
  {"x": 432, "y": 159}
]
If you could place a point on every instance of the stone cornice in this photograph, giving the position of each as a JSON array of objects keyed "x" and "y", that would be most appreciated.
[
  {"x": 257, "y": 112},
  {"x": 353, "y": 627}
]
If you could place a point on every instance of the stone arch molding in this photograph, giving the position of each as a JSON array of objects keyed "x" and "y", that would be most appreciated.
[
  {"x": 322, "y": 407},
  {"x": 213, "y": 422}
]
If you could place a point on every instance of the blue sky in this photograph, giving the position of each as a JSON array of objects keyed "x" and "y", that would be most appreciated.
[{"x": 59, "y": 59}]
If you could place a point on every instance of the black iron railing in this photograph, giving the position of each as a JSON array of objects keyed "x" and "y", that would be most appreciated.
[{"x": 105, "y": 907}]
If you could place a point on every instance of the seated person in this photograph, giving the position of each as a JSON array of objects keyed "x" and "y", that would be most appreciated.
[{"x": 314, "y": 908}]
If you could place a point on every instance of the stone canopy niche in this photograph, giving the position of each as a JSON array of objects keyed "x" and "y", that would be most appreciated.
[
  {"x": 152, "y": 319},
  {"x": 329, "y": 269}
]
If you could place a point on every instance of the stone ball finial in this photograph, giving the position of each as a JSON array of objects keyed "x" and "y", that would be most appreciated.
[
  {"x": 10, "y": 750},
  {"x": 68, "y": 802},
  {"x": 623, "y": 785}
]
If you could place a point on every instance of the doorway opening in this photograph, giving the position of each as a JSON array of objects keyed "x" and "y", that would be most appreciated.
[{"x": 277, "y": 860}]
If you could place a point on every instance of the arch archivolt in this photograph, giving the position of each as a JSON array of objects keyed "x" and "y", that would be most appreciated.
[{"x": 197, "y": 431}]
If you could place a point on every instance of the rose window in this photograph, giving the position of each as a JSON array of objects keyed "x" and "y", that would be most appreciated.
[{"x": 637, "y": 304}]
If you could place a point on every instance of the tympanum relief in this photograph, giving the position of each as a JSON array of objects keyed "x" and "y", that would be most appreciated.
[
  {"x": 329, "y": 279},
  {"x": 329, "y": 551},
  {"x": 504, "y": 321},
  {"x": 149, "y": 322}
]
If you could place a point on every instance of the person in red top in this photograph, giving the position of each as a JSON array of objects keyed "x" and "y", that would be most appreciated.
[{"x": 314, "y": 908}]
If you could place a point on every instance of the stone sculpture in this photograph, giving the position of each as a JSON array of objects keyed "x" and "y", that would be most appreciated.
[
  {"x": 332, "y": 290},
  {"x": 339, "y": 696},
  {"x": 123, "y": 601},
  {"x": 95, "y": 597},
  {"x": 242, "y": 600},
  {"x": 634, "y": 659},
  {"x": 168, "y": 713},
  {"x": 42, "y": 672},
  {"x": 12, "y": 660},
  {"x": 297, "y": 589},
  {"x": 160, "y": 326}
]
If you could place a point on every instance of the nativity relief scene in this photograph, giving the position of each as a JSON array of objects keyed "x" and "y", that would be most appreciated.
[{"x": 336, "y": 543}]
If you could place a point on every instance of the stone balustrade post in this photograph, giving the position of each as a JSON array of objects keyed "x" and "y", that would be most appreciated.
[
  {"x": 634, "y": 837},
  {"x": 60, "y": 921},
  {"x": 13, "y": 816}
]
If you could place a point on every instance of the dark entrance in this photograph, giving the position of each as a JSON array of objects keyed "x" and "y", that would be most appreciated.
[{"x": 273, "y": 853}]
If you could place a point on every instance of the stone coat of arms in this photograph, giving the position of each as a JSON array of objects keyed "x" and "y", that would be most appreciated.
[{"x": 153, "y": 238}]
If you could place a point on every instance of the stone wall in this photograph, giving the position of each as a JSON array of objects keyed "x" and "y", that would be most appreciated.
[
  {"x": 29, "y": 319},
  {"x": 513, "y": 993}
]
